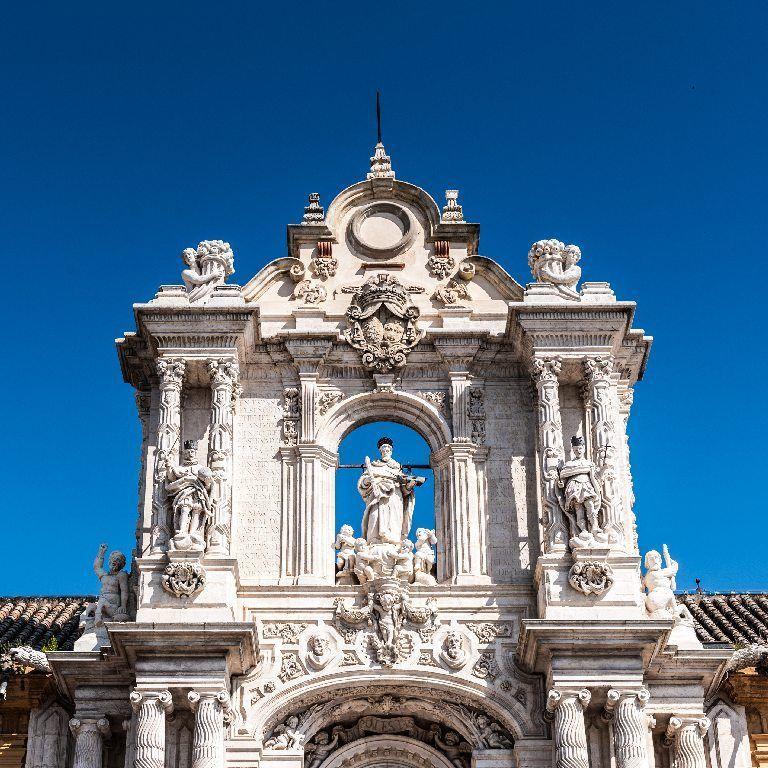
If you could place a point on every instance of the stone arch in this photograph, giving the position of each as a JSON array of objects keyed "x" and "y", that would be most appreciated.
[
  {"x": 395, "y": 751},
  {"x": 400, "y": 407},
  {"x": 445, "y": 699}
]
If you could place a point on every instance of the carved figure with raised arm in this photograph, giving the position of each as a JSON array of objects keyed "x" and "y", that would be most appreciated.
[
  {"x": 112, "y": 604},
  {"x": 320, "y": 747},
  {"x": 579, "y": 495},
  {"x": 207, "y": 267},
  {"x": 424, "y": 557},
  {"x": 286, "y": 735},
  {"x": 659, "y": 581},
  {"x": 189, "y": 486},
  {"x": 389, "y": 499}
]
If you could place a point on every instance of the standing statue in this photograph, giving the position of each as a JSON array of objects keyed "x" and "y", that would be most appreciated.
[
  {"x": 388, "y": 494},
  {"x": 189, "y": 486},
  {"x": 424, "y": 558},
  {"x": 660, "y": 584},
  {"x": 578, "y": 491}
]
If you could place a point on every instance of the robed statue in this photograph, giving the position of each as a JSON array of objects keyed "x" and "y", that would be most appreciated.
[{"x": 388, "y": 495}]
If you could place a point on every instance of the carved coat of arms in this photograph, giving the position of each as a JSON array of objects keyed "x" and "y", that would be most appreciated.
[{"x": 383, "y": 323}]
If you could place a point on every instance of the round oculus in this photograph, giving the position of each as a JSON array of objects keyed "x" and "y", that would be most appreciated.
[{"x": 381, "y": 230}]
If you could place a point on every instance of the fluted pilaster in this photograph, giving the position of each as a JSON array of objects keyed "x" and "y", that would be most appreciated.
[
  {"x": 212, "y": 712},
  {"x": 151, "y": 709},
  {"x": 630, "y": 727},
  {"x": 89, "y": 741},
  {"x": 686, "y": 735},
  {"x": 566, "y": 708}
]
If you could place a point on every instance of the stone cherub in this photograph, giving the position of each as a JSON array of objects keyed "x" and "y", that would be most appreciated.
[
  {"x": 286, "y": 735},
  {"x": 557, "y": 264},
  {"x": 321, "y": 746},
  {"x": 207, "y": 267},
  {"x": 345, "y": 557},
  {"x": 491, "y": 734},
  {"x": 660, "y": 584},
  {"x": 452, "y": 745},
  {"x": 189, "y": 486},
  {"x": 424, "y": 557}
]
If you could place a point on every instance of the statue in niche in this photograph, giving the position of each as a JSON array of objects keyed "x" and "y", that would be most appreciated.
[
  {"x": 579, "y": 496},
  {"x": 188, "y": 486},
  {"x": 660, "y": 584},
  {"x": 389, "y": 499}
]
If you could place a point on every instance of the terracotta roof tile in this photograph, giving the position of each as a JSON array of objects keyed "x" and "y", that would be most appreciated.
[
  {"x": 35, "y": 620},
  {"x": 738, "y": 619}
]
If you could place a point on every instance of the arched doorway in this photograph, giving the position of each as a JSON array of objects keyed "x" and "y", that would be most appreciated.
[{"x": 377, "y": 751}]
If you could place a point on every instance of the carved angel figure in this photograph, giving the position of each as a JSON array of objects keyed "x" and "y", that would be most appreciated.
[
  {"x": 285, "y": 735},
  {"x": 557, "y": 264},
  {"x": 207, "y": 267},
  {"x": 660, "y": 584},
  {"x": 456, "y": 750},
  {"x": 424, "y": 558},
  {"x": 189, "y": 486},
  {"x": 492, "y": 734},
  {"x": 345, "y": 557},
  {"x": 320, "y": 747}
]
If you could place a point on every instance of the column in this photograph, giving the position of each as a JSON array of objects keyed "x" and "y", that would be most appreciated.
[
  {"x": 545, "y": 374},
  {"x": 686, "y": 735},
  {"x": 170, "y": 372},
  {"x": 566, "y": 708},
  {"x": 151, "y": 709},
  {"x": 602, "y": 405},
  {"x": 212, "y": 712},
  {"x": 625, "y": 397},
  {"x": 630, "y": 726},
  {"x": 224, "y": 373},
  {"x": 89, "y": 741}
]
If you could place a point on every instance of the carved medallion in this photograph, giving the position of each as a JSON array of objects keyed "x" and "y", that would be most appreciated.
[
  {"x": 591, "y": 577},
  {"x": 383, "y": 324},
  {"x": 183, "y": 579}
]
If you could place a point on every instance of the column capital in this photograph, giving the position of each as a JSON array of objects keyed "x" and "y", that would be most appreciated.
[
  {"x": 223, "y": 371},
  {"x": 220, "y": 698},
  {"x": 79, "y": 724},
  {"x": 616, "y": 695},
  {"x": 679, "y": 723},
  {"x": 163, "y": 699},
  {"x": 170, "y": 371},
  {"x": 557, "y": 696},
  {"x": 546, "y": 367},
  {"x": 598, "y": 368}
]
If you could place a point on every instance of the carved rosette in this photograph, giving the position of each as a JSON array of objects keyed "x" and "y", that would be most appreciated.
[
  {"x": 546, "y": 371},
  {"x": 183, "y": 578},
  {"x": 591, "y": 577},
  {"x": 383, "y": 324},
  {"x": 566, "y": 708}
]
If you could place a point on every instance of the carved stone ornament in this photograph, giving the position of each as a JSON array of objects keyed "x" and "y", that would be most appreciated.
[
  {"x": 440, "y": 263},
  {"x": 286, "y": 631},
  {"x": 591, "y": 577},
  {"x": 451, "y": 294},
  {"x": 383, "y": 324},
  {"x": 25, "y": 656},
  {"x": 183, "y": 579},
  {"x": 324, "y": 264},
  {"x": 476, "y": 415},
  {"x": 453, "y": 652},
  {"x": 659, "y": 582},
  {"x": 309, "y": 292},
  {"x": 207, "y": 267},
  {"x": 487, "y": 632},
  {"x": 486, "y": 667},
  {"x": 327, "y": 400},
  {"x": 314, "y": 213},
  {"x": 557, "y": 264},
  {"x": 452, "y": 212},
  {"x": 291, "y": 415}
]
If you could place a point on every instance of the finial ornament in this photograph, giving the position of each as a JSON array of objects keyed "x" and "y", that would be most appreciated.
[
  {"x": 314, "y": 213},
  {"x": 381, "y": 165},
  {"x": 452, "y": 211}
]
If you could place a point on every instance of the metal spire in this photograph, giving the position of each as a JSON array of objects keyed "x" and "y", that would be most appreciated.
[
  {"x": 381, "y": 166},
  {"x": 378, "y": 117}
]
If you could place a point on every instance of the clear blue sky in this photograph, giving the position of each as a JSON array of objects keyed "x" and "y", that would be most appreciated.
[{"x": 636, "y": 130}]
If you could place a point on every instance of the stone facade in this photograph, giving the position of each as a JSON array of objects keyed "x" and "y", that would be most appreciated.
[{"x": 519, "y": 632}]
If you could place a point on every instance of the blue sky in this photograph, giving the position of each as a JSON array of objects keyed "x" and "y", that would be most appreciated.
[{"x": 131, "y": 131}]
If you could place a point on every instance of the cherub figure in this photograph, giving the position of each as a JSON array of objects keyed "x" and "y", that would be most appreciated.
[
  {"x": 424, "y": 558},
  {"x": 456, "y": 750},
  {"x": 403, "y": 565},
  {"x": 285, "y": 735},
  {"x": 491, "y": 733},
  {"x": 207, "y": 267},
  {"x": 320, "y": 747},
  {"x": 113, "y": 597},
  {"x": 660, "y": 584},
  {"x": 364, "y": 558},
  {"x": 345, "y": 557}
]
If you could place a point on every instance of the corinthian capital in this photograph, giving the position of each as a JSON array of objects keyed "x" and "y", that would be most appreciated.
[
  {"x": 546, "y": 368},
  {"x": 224, "y": 371},
  {"x": 598, "y": 368},
  {"x": 171, "y": 371}
]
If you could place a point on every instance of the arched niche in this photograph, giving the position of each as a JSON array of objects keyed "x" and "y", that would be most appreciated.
[{"x": 393, "y": 751}]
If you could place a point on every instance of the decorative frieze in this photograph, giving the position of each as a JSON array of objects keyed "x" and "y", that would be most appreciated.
[{"x": 487, "y": 632}]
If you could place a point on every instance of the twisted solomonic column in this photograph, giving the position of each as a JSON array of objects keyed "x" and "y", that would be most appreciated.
[
  {"x": 630, "y": 726},
  {"x": 566, "y": 708},
  {"x": 212, "y": 712},
  {"x": 89, "y": 741},
  {"x": 545, "y": 374},
  {"x": 151, "y": 709},
  {"x": 686, "y": 734}
]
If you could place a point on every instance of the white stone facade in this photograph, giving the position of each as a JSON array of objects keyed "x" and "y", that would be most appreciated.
[{"x": 524, "y": 640}]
